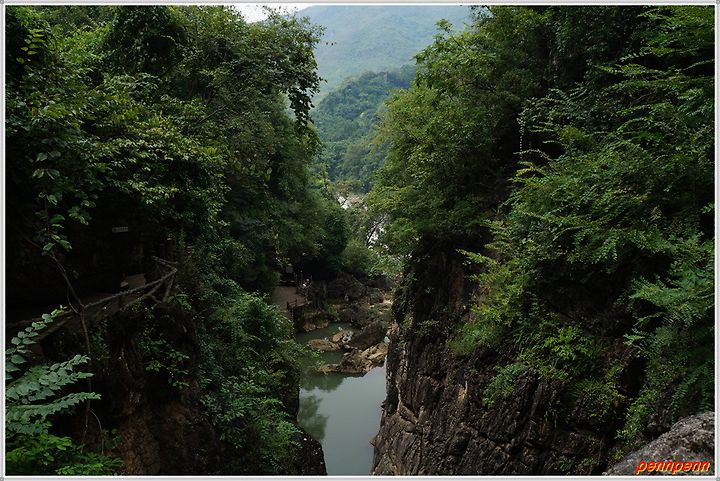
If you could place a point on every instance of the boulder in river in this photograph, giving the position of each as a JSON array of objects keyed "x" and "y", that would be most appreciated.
[
  {"x": 372, "y": 334},
  {"x": 359, "y": 361},
  {"x": 311, "y": 326},
  {"x": 342, "y": 337},
  {"x": 322, "y": 345}
]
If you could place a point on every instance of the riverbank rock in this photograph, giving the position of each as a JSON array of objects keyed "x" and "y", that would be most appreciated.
[
  {"x": 359, "y": 361},
  {"x": 322, "y": 345},
  {"x": 372, "y": 334},
  {"x": 690, "y": 439},
  {"x": 347, "y": 287},
  {"x": 342, "y": 337},
  {"x": 312, "y": 320},
  {"x": 310, "y": 459}
]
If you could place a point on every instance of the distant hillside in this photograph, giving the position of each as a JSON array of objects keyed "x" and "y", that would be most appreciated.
[
  {"x": 373, "y": 38},
  {"x": 346, "y": 119}
]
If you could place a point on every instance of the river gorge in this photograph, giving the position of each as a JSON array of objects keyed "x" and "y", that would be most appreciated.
[{"x": 340, "y": 410}]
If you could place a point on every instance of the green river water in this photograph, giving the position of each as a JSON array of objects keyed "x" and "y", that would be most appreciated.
[{"x": 341, "y": 411}]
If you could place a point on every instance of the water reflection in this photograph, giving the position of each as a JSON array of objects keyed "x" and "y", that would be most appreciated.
[
  {"x": 310, "y": 418},
  {"x": 341, "y": 411},
  {"x": 323, "y": 382}
]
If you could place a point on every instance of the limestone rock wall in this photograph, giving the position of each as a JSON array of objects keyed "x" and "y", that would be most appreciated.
[{"x": 434, "y": 419}]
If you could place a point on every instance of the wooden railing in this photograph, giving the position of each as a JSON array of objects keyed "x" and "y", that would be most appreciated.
[
  {"x": 291, "y": 305},
  {"x": 143, "y": 292},
  {"x": 110, "y": 305}
]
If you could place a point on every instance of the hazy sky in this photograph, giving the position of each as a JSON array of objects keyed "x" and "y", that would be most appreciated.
[{"x": 254, "y": 11}]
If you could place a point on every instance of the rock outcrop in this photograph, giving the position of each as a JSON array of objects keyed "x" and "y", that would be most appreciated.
[
  {"x": 323, "y": 345},
  {"x": 436, "y": 418},
  {"x": 372, "y": 334},
  {"x": 366, "y": 307},
  {"x": 690, "y": 439},
  {"x": 346, "y": 298},
  {"x": 364, "y": 350},
  {"x": 342, "y": 337},
  {"x": 310, "y": 459},
  {"x": 310, "y": 321},
  {"x": 359, "y": 361},
  {"x": 347, "y": 287}
]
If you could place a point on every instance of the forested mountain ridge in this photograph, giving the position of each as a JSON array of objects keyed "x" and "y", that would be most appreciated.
[
  {"x": 550, "y": 182},
  {"x": 346, "y": 121},
  {"x": 365, "y": 38},
  {"x": 128, "y": 139}
]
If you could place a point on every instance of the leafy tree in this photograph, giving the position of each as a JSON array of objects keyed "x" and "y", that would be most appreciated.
[{"x": 191, "y": 127}]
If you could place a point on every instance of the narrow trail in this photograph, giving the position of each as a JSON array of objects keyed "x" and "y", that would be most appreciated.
[
  {"x": 288, "y": 295},
  {"x": 135, "y": 288}
]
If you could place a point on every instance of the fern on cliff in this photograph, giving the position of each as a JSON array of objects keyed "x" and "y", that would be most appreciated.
[
  {"x": 584, "y": 155},
  {"x": 34, "y": 395},
  {"x": 613, "y": 215}
]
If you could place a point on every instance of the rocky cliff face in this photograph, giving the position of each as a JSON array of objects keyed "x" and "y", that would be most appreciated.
[{"x": 435, "y": 421}]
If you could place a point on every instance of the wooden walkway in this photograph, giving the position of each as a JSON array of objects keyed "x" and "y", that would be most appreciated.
[{"x": 289, "y": 299}]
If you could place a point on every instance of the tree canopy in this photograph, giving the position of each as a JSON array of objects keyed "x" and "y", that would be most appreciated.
[
  {"x": 180, "y": 132},
  {"x": 568, "y": 152}
]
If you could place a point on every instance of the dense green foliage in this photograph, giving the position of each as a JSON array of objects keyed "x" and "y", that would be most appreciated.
[
  {"x": 176, "y": 148},
  {"x": 360, "y": 39},
  {"x": 34, "y": 395},
  {"x": 575, "y": 146},
  {"x": 566, "y": 153},
  {"x": 190, "y": 127},
  {"x": 249, "y": 367},
  {"x": 346, "y": 121}
]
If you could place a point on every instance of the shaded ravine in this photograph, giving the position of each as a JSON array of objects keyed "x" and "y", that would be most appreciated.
[{"x": 342, "y": 411}]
